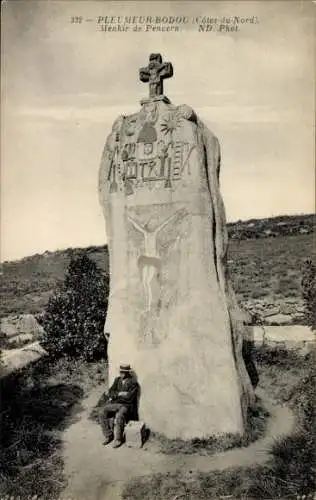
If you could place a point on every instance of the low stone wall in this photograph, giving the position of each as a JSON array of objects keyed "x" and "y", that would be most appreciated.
[
  {"x": 280, "y": 311},
  {"x": 288, "y": 337}
]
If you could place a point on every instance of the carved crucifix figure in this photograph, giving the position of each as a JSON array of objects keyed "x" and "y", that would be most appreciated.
[
  {"x": 150, "y": 260},
  {"x": 155, "y": 73}
]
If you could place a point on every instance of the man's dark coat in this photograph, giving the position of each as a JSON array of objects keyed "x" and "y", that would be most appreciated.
[{"x": 131, "y": 387}]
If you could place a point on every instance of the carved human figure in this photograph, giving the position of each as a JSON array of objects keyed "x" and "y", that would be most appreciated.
[{"x": 150, "y": 261}]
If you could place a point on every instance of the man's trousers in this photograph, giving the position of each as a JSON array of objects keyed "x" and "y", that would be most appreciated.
[{"x": 113, "y": 413}]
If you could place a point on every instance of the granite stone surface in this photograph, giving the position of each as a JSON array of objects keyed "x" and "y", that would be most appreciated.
[{"x": 172, "y": 313}]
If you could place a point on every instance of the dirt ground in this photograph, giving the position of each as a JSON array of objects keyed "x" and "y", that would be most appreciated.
[{"x": 96, "y": 472}]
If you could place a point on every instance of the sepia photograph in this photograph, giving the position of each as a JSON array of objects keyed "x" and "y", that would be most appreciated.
[{"x": 158, "y": 250}]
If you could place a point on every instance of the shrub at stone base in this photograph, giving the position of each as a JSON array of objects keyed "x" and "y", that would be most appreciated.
[{"x": 74, "y": 317}]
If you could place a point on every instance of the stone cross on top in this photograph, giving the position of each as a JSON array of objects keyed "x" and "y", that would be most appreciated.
[{"x": 155, "y": 73}]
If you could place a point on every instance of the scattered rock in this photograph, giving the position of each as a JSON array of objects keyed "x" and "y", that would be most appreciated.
[
  {"x": 261, "y": 309},
  {"x": 279, "y": 319},
  {"x": 20, "y": 339},
  {"x": 16, "y": 359},
  {"x": 24, "y": 324},
  {"x": 271, "y": 311}
]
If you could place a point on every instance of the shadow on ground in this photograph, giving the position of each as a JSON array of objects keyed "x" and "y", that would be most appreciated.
[{"x": 32, "y": 419}]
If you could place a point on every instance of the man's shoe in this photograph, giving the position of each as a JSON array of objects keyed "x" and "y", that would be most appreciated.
[
  {"x": 116, "y": 443},
  {"x": 107, "y": 440}
]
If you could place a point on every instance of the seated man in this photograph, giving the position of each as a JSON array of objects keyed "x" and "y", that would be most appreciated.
[{"x": 121, "y": 403}]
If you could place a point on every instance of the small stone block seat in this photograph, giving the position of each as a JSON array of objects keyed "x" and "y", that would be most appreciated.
[{"x": 135, "y": 434}]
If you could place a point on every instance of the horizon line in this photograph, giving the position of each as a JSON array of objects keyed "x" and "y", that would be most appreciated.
[{"x": 63, "y": 249}]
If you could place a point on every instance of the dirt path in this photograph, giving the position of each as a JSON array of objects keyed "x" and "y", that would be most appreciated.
[{"x": 96, "y": 472}]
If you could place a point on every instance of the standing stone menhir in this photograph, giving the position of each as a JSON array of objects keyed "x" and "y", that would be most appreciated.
[{"x": 172, "y": 313}]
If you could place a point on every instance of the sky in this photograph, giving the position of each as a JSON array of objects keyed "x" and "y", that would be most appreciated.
[{"x": 63, "y": 84}]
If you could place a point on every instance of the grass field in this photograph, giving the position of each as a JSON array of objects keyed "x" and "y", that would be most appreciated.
[{"x": 269, "y": 267}]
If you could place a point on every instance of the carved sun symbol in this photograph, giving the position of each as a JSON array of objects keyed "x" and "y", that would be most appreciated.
[{"x": 170, "y": 124}]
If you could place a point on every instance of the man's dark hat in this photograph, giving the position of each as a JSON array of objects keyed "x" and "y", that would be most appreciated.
[{"x": 125, "y": 368}]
